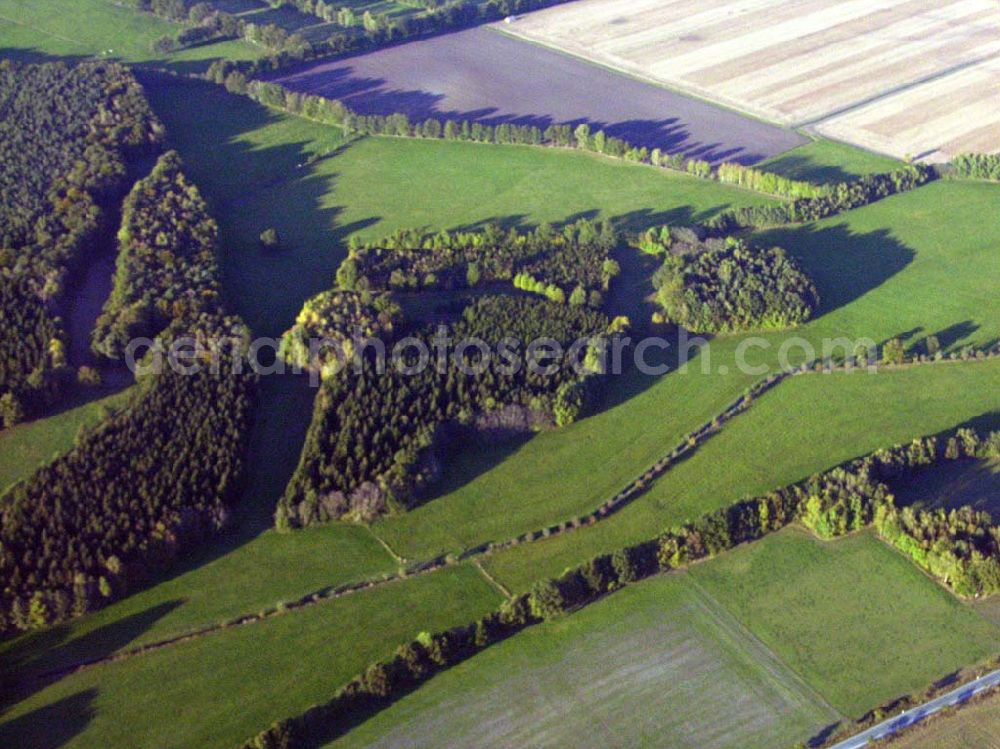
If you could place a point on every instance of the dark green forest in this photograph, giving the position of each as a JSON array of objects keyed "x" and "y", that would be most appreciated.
[
  {"x": 370, "y": 447},
  {"x": 166, "y": 268},
  {"x": 65, "y": 135}
]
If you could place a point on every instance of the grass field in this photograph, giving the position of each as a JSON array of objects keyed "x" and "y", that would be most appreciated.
[
  {"x": 28, "y": 446},
  {"x": 255, "y": 569},
  {"x": 250, "y": 162},
  {"x": 922, "y": 260},
  {"x": 218, "y": 690},
  {"x": 33, "y": 30},
  {"x": 806, "y": 425},
  {"x": 658, "y": 664},
  {"x": 976, "y": 725},
  {"x": 855, "y": 619},
  {"x": 826, "y": 161}
]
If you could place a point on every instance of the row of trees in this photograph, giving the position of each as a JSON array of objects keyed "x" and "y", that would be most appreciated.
[
  {"x": 845, "y": 196},
  {"x": 376, "y": 30},
  {"x": 571, "y": 263},
  {"x": 768, "y": 182},
  {"x": 369, "y": 448},
  {"x": 166, "y": 267},
  {"x": 833, "y": 503},
  {"x": 725, "y": 286},
  {"x": 64, "y": 137},
  {"x": 145, "y": 483},
  {"x": 978, "y": 166},
  {"x": 580, "y": 137}
]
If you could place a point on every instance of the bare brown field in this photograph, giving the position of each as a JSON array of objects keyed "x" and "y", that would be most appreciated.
[{"x": 907, "y": 77}]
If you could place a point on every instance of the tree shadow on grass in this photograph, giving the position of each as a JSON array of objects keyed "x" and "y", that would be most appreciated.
[
  {"x": 35, "y": 56},
  {"x": 39, "y": 658},
  {"x": 251, "y": 188},
  {"x": 843, "y": 264},
  {"x": 51, "y": 726},
  {"x": 955, "y": 484}
]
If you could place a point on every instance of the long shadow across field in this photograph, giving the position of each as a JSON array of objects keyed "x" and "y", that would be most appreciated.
[
  {"x": 843, "y": 264},
  {"x": 250, "y": 189},
  {"x": 34, "y": 660},
  {"x": 52, "y": 726}
]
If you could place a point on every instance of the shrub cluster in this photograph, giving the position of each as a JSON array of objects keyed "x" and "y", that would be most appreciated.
[
  {"x": 166, "y": 266},
  {"x": 726, "y": 286},
  {"x": 64, "y": 136},
  {"x": 978, "y": 166},
  {"x": 557, "y": 264},
  {"x": 146, "y": 482},
  {"x": 340, "y": 322},
  {"x": 370, "y": 446}
]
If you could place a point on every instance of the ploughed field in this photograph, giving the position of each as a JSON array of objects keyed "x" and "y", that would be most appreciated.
[
  {"x": 916, "y": 77},
  {"x": 482, "y": 75}
]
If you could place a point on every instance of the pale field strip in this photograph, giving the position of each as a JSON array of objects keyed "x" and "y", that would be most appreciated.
[
  {"x": 802, "y": 62},
  {"x": 935, "y": 121}
]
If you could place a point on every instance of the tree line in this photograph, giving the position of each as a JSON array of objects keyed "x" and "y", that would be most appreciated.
[
  {"x": 166, "y": 267},
  {"x": 571, "y": 264},
  {"x": 726, "y": 286},
  {"x": 65, "y": 135},
  {"x": 978, "y": 166},
  {"x": 843, "y": 499},
  {"x": 374, "y": 30},
  {"x": 370, "y": 448},
  {"x": 845, "y": 196},
  {"x": 580, "y": 136}
]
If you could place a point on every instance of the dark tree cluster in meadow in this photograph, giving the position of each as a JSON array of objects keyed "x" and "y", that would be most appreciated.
[
  {"x": 370, "y": 446},
  {"x": 149, "y": 480},
  {"x": 166, "y": 268},
  {"x": 572, "y": 264},
  {"x": 342, "y": 321},
  {"x": 726, "y": 286},
  {"x": 65, "y": 133}
]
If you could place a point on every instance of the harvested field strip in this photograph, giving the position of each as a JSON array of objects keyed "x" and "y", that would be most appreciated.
[
  {"x": 658, "y": 663},
  {"x": 943, "y": 117},
  {"x": 800, "y": 63}
]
